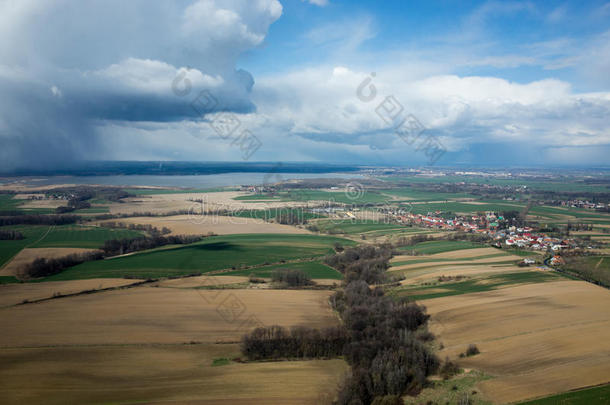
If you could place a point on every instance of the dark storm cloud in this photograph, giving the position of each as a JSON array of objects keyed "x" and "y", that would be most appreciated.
[{"x": 66, "y": 67}]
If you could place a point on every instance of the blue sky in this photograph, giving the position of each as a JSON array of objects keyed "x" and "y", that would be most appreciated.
[
  {"x": 512, "y": 30},
  {"x": 489, "y": 82}
]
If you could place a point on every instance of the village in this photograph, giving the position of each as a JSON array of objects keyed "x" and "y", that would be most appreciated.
[{"x": 491, "y": 225}]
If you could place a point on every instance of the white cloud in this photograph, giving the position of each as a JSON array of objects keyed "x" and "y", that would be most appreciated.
[
  {"x": 320, "y": 3},
  {"x": 321, "y": 105}
]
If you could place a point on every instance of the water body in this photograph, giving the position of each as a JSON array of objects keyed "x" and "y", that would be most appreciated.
[{"x": 187, "y": 181}]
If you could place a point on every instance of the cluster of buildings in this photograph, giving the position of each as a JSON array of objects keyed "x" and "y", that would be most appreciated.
[
  {"x": 490, "y": 224},
  {"x": 527, "y": 239},
  {"x": 257, "y": 189},
  {"x": 483, "y": 224},
  {"x": 582, "y": 204}
]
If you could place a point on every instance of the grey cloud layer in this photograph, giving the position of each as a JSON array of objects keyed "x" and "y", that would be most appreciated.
[{"x": 67, "y": 65}]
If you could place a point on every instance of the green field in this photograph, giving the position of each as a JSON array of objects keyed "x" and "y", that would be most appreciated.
[
  {"x": 8, "y": 280},
  {"x": 82, "y": 236},
  {"x": 558, "y": 212},
  {"x": 358, "y": 226},
  {"x": 92, "y": 210},
  {"x": 440, "y": 246},
  {"x": 7, "y": 203},
  {"x": 38, "y": 236},
  {"x": 440, "y": 260},
  {"x": 410, "y": 194},
  {"x": 149, "y": 191},
  {"x": 367, "y": 197},
  {"x": 31, "y": 233},
  {"x": 550, "y": 185},
  {"x": 274, "y": 213},
  {"x": 462, "y": 207},
  {"x": 592, "y": 268},
  {"x": 492, "y": 282},
  {"x": 314, "y": 269},
  {"x": 589, "y": 396},
  {"x": 213, "y": 253}
]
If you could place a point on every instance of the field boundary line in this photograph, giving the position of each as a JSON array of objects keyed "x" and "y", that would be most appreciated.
[
  {"x": 26, "y": 247},
  {"x": 84, "y": 292}
]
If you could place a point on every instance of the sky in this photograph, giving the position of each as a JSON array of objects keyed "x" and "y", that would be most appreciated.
[{"x": 337, "y": 81}]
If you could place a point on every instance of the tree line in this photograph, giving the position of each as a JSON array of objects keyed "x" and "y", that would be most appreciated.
[
  {"x": 386, "y": 348},
  {"x": 73, "y": 205},
  {"x": 291, "y": 278},
  {"x": 115, "y": 247},
  {"x": 42, "y": 267},
  {"x": 151, "y": 230},
  {"x": 368, "y": 263},
  {"x": 38, "y": 219},
  {"x": 11, "y": 235},
  {"x": 276, "y": 342},
  {"x": 382, "y": 338}
]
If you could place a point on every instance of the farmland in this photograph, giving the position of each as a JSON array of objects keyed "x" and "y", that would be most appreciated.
[
  {"x": 171, "y": 317},
  {"x": 304, "y": 202},
  {"x": 433, "y": 247},
  {"x": 26, "y": 256},
  {"x": 594, "y": 268},
  {"x": 167, "y": 339},
  {"x": 594, "y": 396},
  {"x": 373, "y": 228},
  {"x": 65, "y": 236},
  {"x": 491, "y": 282},
  {"x": 213, "y": 253},
  {"x": 194, "y": 315},
  {"x": 82, "y": 236},
  {"x": 9, "y": 248},
  {"x": 314, "y": 269},
  {"x": 165, "y": 375},
  {"x": 539, "y": 332},
  {"x": 369, "y": 197},
  {"x": 536, "y": 339},
  {"x": 204, "y": 224},
  {"x": 550, "y": 185}
]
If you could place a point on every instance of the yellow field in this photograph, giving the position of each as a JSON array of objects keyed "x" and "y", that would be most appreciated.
[
  {"x": 192, "y": 282},
  {"x": 28, "y": 255},
  {"x": 175, "y": 374},
  {"x": 160, "y": 203},
  {"x": 160, "y": 315},
  {"x": 459, "y": 254},
  {"x": 155, "y": 344},
  {"x": 220, "y": 225},
  {"x": 12, "y": 294},
  {"x": 428, "y": 274},
  {"x": 536, "y": 339}
]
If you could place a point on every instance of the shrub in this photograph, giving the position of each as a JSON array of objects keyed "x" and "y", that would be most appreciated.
[
  {"x": 387, "y": 400},
  {"x": 448, "y": 369},
  {"x": 299, "y": 342},
  {"x": 255, "y": 280},
  {"x": 11, "y": 235},
  {"x": 472, "y": 350},
  {"x": 291, "y": 278}
]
